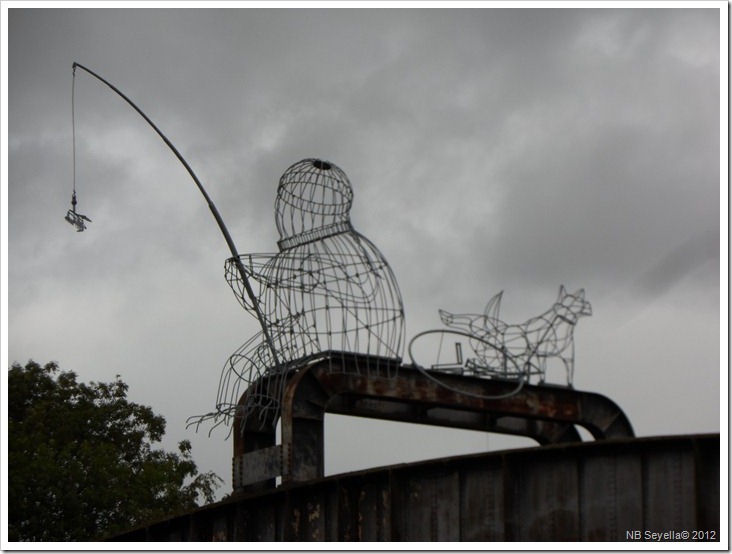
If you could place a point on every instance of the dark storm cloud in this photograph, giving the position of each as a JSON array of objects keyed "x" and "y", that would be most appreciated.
[
  {"x": 596, "y": 168},
  {"x": 489, "y": 149}
]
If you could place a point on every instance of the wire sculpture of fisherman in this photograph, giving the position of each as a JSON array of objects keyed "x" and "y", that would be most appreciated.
[{"x": 328, "y": 289}]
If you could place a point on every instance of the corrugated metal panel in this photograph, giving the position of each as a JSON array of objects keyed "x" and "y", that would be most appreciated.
[
  {"x": 597, "y": 491},
  {"x": 545, "y": 499},
  {"x": 609, "y": 485}
]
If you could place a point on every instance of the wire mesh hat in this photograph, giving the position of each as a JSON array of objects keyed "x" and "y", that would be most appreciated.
[{"x": 328, "y": 289}]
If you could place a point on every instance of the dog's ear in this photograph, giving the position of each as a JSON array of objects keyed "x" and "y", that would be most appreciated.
[
  {"x": 562, "y": 292},
  {"x": 580, "y": 294}
]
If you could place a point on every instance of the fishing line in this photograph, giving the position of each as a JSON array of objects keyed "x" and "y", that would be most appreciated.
[
  {"x": 74, "y": 218},
  {"x": 73, "y": 132},
  {"x": 523, "y": 376},
  {"x": 439, "y": 350}
]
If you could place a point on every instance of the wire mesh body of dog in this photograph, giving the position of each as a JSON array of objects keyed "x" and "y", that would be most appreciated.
[
  {"x": 327, "y": 289},
  {"x": 523, "y": 350}
]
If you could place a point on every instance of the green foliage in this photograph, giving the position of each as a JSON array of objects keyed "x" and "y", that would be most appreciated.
[{"x": 81, "y": 463}]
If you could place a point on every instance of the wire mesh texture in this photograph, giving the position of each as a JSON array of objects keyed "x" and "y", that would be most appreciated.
[
  {"x": 514, "y": 351},
  {"x": 328, "y": 289}
]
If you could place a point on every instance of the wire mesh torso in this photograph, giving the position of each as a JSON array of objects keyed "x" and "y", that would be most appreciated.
[{"x": 327, "y": 289}]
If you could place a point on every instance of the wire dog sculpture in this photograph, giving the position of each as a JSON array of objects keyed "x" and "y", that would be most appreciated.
[
  {"x": 328, "y": 289},
  {"x": 516, "y": 351}
]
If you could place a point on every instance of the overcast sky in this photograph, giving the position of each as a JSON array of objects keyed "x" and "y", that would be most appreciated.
[{"x": 489, "y": 150}]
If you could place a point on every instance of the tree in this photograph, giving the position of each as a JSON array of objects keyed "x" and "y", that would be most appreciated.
[{"x": 81, "y": 464}]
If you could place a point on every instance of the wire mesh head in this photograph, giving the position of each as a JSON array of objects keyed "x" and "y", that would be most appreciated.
[{"x": 312, "y": 193}]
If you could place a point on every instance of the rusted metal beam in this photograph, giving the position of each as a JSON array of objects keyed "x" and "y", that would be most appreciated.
[
  {"x": 350, "y": 384},
  {"x": 259, "y": 435},
  {"x": 543, "y": 432},
  {"x": 259, "y": 465}
]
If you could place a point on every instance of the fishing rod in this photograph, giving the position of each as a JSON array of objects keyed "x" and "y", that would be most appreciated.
[{"x": 211, "y": 205}]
